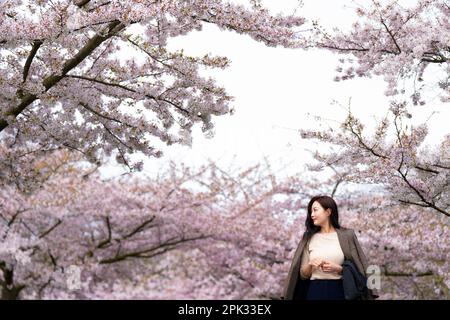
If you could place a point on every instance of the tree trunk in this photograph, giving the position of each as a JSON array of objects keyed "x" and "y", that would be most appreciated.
[{"x": 11, "y": 294}]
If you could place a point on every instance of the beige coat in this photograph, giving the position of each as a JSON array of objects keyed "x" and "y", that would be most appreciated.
[{"x": 352, "y": 251}]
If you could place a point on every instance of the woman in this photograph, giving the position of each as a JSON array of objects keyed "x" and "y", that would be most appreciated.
[{"x": 316, "y": 268}]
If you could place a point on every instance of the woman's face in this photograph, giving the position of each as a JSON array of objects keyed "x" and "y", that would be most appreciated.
[{"x": 319, "y": 215}]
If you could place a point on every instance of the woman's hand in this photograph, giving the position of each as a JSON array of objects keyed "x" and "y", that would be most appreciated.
[
  {"x": 331, "y": 267},
  {"x": 316, "y": 263}
]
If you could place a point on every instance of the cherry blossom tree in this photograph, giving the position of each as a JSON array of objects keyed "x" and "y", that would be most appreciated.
[
  {"x": 110, "y": 230},
  {"x": 97, "y": 77},
  {"x": 66, "y": 83},
  {"x": 413, "y": 174},
  {"x": 396, "y": 41},
  {"x": 204, "y": 233},
  {"x": 209, "y": 232},
  {"x": 407, "y": 243}
]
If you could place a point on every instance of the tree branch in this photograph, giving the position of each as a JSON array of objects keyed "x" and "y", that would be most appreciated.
[
  {"x": 112, "y": 29},
  {"x": 45, "y": 233},
  {"x": 391, "y": 35},
  {"x": 108, "y": 239},
  {"x": 34, "y": 49},
  {"x": 153, "y": 251}
]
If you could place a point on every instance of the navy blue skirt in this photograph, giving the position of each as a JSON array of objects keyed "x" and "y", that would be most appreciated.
[{"x": 325, "y": 290}]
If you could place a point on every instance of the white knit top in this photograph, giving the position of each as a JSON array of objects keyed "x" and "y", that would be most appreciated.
[{"x": 326, "y": 247}]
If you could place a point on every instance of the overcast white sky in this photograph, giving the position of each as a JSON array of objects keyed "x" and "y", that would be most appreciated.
[{"x": 274, "y": 90}]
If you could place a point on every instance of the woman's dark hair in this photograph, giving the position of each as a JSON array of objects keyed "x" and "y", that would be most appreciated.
[{"x": 327, "y": 203}]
